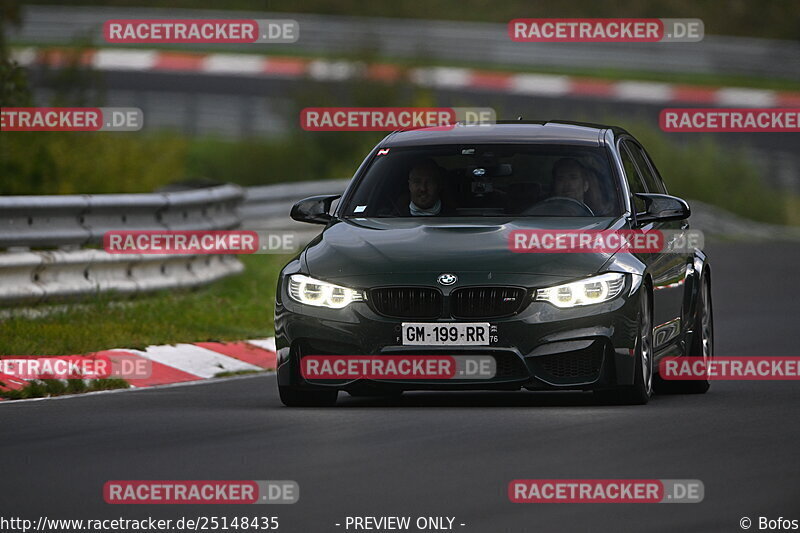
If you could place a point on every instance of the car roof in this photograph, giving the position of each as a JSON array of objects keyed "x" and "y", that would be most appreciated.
[{"x": 545, "y": 132}]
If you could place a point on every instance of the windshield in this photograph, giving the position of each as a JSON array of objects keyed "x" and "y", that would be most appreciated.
[{"x": 487, "y": 180}]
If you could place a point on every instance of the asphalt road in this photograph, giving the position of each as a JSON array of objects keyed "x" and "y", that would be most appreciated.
[{"x": 442, "y": 454}]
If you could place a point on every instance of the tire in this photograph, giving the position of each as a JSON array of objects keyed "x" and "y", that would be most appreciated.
[
  {"x": 642, "y": 389},
  {"x": 702, "y": 344},
  {"x": 293, "y": 397}
]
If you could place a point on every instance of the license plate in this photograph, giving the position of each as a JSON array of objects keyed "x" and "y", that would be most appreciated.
[{"x": 445, "y": 334}]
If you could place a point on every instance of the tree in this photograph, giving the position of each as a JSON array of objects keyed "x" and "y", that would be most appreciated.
[{"x": 14, "y": 91}]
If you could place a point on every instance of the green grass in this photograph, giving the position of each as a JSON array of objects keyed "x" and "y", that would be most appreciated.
[{"x": 236, "y": 308}]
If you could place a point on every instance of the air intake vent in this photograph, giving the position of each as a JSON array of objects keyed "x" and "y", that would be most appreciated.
[{"x": 583, "y": 364}]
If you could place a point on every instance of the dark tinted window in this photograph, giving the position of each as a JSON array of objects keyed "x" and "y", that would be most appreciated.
[
  {"x": 487, "y": 180},
  {"x": 659, "y": 181},
  {"x": 652, "y": 181},
  {"x": 635, "y": 182}
]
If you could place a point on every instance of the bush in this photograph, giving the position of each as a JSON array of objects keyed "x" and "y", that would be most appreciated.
[
  {"x": 301, "y": 157},
  {"x": 705, "y": 171},
  {"x": 92, "y": 162}
]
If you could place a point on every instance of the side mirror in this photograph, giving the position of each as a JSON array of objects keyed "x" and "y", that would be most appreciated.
[
  {"x": 314, "y": 209},
  {"x": 662, "y": 207}
]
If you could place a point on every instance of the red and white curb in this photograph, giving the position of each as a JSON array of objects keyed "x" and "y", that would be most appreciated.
[
  {"x": 544, "y": 85},
  {"x": 182, "y": 363}
]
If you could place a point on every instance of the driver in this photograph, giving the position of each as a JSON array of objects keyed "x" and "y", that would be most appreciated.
[
  {"x": 425, "y": 188},
  {"x": 570, "y": 180}
]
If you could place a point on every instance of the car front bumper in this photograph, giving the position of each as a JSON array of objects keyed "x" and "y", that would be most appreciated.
[{"x": 540, "y": 348}]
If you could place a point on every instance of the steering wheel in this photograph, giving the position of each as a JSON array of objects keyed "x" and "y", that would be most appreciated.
[{"x": 560, "y": 206}]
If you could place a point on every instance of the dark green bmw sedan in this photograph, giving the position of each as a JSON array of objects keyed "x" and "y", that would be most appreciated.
[{"x": 426, "y": 257}]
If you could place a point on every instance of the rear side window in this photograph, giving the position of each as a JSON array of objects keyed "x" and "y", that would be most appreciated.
[
  {"x": 635, "y": 183},
  {"x": 651, "y": 180},
  {"x": 658, "y": 179}
]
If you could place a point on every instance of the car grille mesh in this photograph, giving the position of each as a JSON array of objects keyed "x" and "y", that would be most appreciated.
[
  {"x": 486, "y": 302},
  {"x": 509, "y": 366},
  {"x": 467, "y": 302},
  {"x": 407, "y": 302},
  {"x": 582, "y": 364}
]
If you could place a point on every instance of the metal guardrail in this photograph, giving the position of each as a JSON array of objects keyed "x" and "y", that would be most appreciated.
[
  {"x": 77, "y": 220},
  {"x": 477, "y": 42},
  {"x": 33, "y": 277},
  {"x": 30, "y": 226},
  {"x": 47, "y": 239}
]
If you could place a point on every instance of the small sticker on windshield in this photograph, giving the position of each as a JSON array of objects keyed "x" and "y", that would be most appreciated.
[
  {"x": 383, "y": 151},
  {"x": 359, "y": 209},
  {"x": 468, "y": 151}
]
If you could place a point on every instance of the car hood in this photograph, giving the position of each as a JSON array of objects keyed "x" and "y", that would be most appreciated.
[{"x": 399, "y": 250}]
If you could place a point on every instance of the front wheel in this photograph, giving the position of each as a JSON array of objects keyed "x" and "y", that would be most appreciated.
[
  {"x": 702, "y": 345},
  {"x": 642, "y": 389},
  {"x": 293, "y": 397}
]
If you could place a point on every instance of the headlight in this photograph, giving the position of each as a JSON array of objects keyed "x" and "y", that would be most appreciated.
[
  {"x": 312, "y": 291},
  {"x": 587, "y": 291}
]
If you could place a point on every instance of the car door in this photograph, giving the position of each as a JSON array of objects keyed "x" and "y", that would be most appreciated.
[{"x": 668, "y": 270}]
